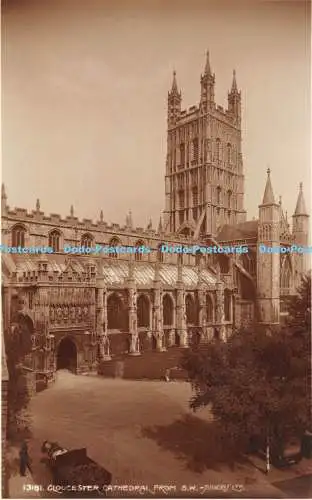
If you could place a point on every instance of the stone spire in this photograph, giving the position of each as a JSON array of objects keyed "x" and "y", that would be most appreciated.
[
  {"x": 268, "y": 197},
  {"x": 150, "y": 225},
  {"x": 300, "y": 207},
  {"x": 101, "y": 216},
  {"x": 38, "y": 205},
  {"x": 234, "y": 88},
  {"x": 71, "y": 211},
  {"x": 174, "y": 87},
  {"x": 207, "y": 65}
]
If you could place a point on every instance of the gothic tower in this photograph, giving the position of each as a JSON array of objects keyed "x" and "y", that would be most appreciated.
[
  {"x": 204, "y": 169},
  {"x": 302, "y": 261},
  {"x": 268, "y": 263}
]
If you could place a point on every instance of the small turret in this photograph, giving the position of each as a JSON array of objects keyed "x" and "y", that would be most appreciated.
[
  {"x": 174, "y": 102},
  {"x": 207, "y": 82},
  {"x": 268, "y": 197},
  {"x": 301, "y": 220},
  {"x": 301, "y": 236},
  {"x": 234, "y": 99}
]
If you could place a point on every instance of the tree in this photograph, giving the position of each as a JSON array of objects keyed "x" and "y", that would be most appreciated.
[
  {"x": 256, "y": 384},
  {"x": 18, "y": 346},
  {"x": 299, "y": 305}
]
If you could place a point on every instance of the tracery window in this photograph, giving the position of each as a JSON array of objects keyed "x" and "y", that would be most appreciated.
[
  {"x": 227, "y": 305},
  {"x": 114, "y": 242},
  {"x": 54, "y": 240},
  {"x": 218, "y": 195},
  {"x": 218, "y": 150},
  {"x": 195, "y": 154},
  {"x": 18, "y": 236},
  {"x": 87, "y": 240},
  {"x": 182, "y": 154},
  {"x": 229, "y": 153},
  {"x": 138, "y": 255}
]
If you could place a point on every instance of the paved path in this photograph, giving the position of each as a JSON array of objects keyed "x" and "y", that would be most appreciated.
[{"x": 143, "y": 432}]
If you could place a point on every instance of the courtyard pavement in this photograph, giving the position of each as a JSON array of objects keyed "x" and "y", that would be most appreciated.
[{"x": 144, "y": 434}]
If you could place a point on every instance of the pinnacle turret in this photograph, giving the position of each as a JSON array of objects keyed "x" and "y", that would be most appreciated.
[
  {"x": 268, "y": 197},
  {"x": 207, "y": 65},
  {"x": 234, "y": 88},
  {"x": 174, "y": 87},
  {"x": 300, "y": 207}
]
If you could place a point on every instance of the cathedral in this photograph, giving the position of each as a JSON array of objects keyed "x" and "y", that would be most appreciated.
[{"x": 83, "y": 310}]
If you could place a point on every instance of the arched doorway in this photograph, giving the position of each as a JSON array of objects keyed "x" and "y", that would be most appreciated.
[
  {"x": 191, "y": 310},
  {"x": 143, "y": 311},
  {"x": 167, "y": 310},
  {"x": 67, "y": 355}
]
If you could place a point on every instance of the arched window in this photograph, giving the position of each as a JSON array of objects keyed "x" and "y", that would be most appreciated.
[
  {"x": 18, "y": 236},
  {"x": 227, "y": 305},
  {"x": 181, "y": 198},
  {"x": 87, "y": 240},
  {"x": 138, "y": 255},
  {"x": 167, "y": 310},
  {"x": 229, "y": 153},
  {"x": 209, "y": 309},
  {"x": 114, "y": 242},
  {"x": 223, "y": 261},
  {"x": 182, "y": 154},
  {"x": 116, "y": 319},
  {"x": 190, "y": 309},
  {"x": 55, "y": 240},
  {"x": 143, "y": 311},
  {"x": 285, "y": 276},
  {"x": 195, "y": 196},
  {"x": 195, "y": 150},
  {"x": 160, "y": 254},
  {"x": 218, "y": 150},
  {"x": 218, "y": 195},
  {"x": 229, "y": 199},
  {"x": 198, "y": 258}
]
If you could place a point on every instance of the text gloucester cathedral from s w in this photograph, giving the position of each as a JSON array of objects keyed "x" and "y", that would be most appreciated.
[{"x": 84, "y": 309}]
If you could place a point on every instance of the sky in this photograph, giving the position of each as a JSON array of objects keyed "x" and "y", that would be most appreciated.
[{"x": 84, "y": 91}]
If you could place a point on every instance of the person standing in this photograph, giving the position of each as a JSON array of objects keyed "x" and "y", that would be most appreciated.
[{"x": 24, "y": 459}]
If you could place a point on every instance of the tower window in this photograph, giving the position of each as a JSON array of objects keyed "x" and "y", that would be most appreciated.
[
  {"x": 195, "y": 196},
  {"x": 218, "y": 150},
  {"x": 181, "y": 217},
  {"x": 229, "y": 200},
  {"x": 54, "y": 240},
  {"x": 229, "y": 153},
  {"x": 181, "y": 199},
  {"x": 195, "y": 154},
  {"x": 18, "y": 236},
  {"x": 182, "y": 154},
  {"x": 218, "y": 195}
]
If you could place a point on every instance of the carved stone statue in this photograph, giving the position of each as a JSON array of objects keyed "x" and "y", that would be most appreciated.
[{"x": 72, "y": 313}]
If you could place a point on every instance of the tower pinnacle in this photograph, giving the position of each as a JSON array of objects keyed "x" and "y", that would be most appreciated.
[
  {"x": 174, "y": 88},
  {"x": 268, "y": 197},
  {"x": 300, "y": 207},
  {"x": 207, "y": 66},
  {"x": 234, "y": 83}
]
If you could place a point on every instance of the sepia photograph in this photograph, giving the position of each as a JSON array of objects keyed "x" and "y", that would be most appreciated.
[{"x": 156, "y": 249}]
